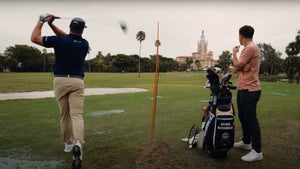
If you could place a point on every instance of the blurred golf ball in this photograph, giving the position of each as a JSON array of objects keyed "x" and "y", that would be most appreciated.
[{"x": 123, "y": 26}]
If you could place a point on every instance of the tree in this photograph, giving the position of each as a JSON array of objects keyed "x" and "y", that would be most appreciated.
[
  {"x": 292, "y": 62},
  {"x": 100, "y": 61},
  {"x": 146, "y": 64},
  {"x": 198, "y": 64},
  {"x": 270, "y": 61},
  {"x": 3, "y": 63},
  {"x": 165, "y": 64},
  {"x": 89, "y": 50},
  {"x": 225, "y": 61},
  {"x": 124, "y": 63},
  {"x": 189, "y": 61},
  {"x": 140, "y": 36},
  {"x": 44, "y": 59},
  {"x": 24, "y": 58},
  {"x": 50, "y": 61},
  {"x": 293, "y": 49},
  {"x": 182, "y": 67},
  {"x": 107, "y": 60}
]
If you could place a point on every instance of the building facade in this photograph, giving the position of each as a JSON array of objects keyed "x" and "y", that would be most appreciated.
[{"x": 202, "y": 58}]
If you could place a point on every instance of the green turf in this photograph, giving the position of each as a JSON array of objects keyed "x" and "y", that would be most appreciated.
[{"x": 29, "y": 129}]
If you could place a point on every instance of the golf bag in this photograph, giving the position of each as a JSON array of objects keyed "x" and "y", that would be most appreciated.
[{"x": 217, "y": 126}]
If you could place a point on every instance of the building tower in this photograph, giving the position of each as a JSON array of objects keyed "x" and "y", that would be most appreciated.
[
  {"x": 202, "y": 45},
  {"x": 202, "y": 55}
]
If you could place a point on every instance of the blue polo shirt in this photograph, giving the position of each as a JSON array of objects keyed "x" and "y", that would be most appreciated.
[{"x": 70, "y": 53}]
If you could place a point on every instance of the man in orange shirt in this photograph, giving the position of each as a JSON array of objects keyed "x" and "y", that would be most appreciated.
[{"x": 248, "y": 93}]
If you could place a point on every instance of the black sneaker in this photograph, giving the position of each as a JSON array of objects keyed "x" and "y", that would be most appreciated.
[{"x": 77, "y": 156}]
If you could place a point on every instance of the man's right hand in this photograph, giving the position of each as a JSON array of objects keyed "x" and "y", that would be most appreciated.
[
  {"x": 50, "y": 18},
  {"x": 235, "y": 49},
  {"x": 56, "y": 30}
]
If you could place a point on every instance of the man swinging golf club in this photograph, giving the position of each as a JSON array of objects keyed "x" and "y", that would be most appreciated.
[{"x": 70, "y": 52}]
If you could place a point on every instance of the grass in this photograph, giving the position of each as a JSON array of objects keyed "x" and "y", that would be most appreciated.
[{"x": 29, "y": 129}]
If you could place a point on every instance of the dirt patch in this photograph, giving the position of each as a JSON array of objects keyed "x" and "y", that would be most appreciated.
[{"x": 153, "y": 150}]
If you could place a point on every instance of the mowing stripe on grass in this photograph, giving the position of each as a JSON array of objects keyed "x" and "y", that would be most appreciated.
[
  {"x": 49, "y": 94},
  {"x": 9, "y": 163},
  {"x": 105, "y": 112}
]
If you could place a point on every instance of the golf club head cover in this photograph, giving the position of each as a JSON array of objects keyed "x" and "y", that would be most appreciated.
[
  {"x": 214, "y": 81},
  {"x": 226, "y": 78}
]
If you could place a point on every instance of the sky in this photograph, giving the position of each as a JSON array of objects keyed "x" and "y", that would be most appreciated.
[{"x": 180, "y": 24}]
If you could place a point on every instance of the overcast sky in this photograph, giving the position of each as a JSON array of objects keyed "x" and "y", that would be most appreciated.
[{"x": 181, "y": 23}]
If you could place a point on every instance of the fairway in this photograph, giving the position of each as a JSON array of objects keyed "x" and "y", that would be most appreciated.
[{"x": 117, "y": 126}]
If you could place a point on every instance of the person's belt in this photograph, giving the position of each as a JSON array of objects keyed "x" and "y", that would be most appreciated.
[{"x": 69, "y": 76}]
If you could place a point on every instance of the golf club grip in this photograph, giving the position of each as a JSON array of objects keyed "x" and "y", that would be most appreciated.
[{"x": 57, "y": 17}]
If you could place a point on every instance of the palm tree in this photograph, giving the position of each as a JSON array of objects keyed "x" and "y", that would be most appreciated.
[{"x": 140, "y": 36}]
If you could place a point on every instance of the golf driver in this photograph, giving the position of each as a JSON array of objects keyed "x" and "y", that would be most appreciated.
[
  {"x": 66, "y": 18},
  {"x": 122, "y": 24}
]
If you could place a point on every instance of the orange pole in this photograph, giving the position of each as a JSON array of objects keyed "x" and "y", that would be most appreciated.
[{"x": 155, "y": 87}]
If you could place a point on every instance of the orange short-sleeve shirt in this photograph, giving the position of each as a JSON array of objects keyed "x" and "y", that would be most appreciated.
[{"x": 247, "y": 78}]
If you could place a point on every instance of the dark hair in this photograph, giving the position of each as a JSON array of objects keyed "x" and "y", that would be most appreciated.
[
  {"x": 246, "y": 31},
  {"x": 76, "y": 29}
]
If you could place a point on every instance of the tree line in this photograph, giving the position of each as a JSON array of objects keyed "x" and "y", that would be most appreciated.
[
  {"x": 24, "y": 58},
  {"x": 130, "y": 63}
]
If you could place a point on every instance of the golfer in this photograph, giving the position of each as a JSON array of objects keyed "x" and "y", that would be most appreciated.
[
  {"x": 70, "y": 52},
  {"x": 248, "y": 94}
]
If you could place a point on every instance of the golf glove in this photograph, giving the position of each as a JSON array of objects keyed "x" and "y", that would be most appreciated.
[{"x": 43, "y": 18}]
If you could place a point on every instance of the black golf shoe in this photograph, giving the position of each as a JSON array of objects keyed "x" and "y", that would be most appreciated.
[{"x": 77, "y": 156}]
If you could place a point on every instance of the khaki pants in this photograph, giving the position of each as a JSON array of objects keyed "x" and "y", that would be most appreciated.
[{"x": 69, "y": 93}]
